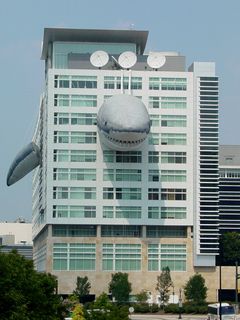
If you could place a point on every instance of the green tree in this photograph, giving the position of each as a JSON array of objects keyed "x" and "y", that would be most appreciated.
[
  {"x": 120, "y": 287},
  {"x": 104, "y": 309},
  {"x": 26, "y": 294},
  {"x": 195, "y": 289},
  {"x": 230, "y": 245},
  {"x": 83, "y": 287},
  {"x": 142, "y": 296},
  {"x": 78, "y": 313},
  {"x": 164, "y": 283},
  {"x": 103, "y": 302}
]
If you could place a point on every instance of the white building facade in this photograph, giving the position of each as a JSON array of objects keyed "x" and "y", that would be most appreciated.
[{"x": 98, "y": 210}]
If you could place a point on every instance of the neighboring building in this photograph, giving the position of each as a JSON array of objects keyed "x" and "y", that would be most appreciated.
[
  {"x": 100, "y": 205},
  {"x": 16, "y": 236},
  {"x": 229, "y": 188}
]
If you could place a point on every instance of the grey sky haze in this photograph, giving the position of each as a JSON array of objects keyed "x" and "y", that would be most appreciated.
[{"x": 206, "y": 30}]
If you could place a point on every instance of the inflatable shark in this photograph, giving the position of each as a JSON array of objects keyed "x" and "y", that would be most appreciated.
[{"x": 123, "y": 124}]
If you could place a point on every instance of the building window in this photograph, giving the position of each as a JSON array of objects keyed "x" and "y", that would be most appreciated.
[
  {"x": 128, "y": 175},
  {"x": 123, "y": 231},
  {"x": 108, "y": 174},
  {"x": 173, "y": 175},
  {"x": 108, "y": 156},
  {"x": 129, "y": 156},
  {"x": 60, "y": 256},
  {"x": 61, "y": 137},
  {"x": 121, "y": 257},
  {"x": 61, "y": 155},
  {"x": 166, "y": 232},
  {"x": 74, "y": 174},
  {"x": 74, "y": 193},
  {"x": 128, "y": 212},
  {"x": 154, "y": 139},
  {"x": 74, "y": 137},
  {"x": 136, "y": 83},
  {"x": 157, "y": 102},
  {"x": 154, "y": 83},
  {"x": 87, "y": 119},
  {"x": 173, "y": 102},
  {"x": 108, "y": 212},
  {"x": 155, "y": 120},
  {"x": 128, "y": 193},
  {"x": 173, "y": 213},
  {"x": 122, "y": 156},
  {"x": 153, "y": 212},
  {"x": 154, "y": 175},
  {"x": 173, "y": 256},
  {"x": 83, "y": 137},
  {"x": 84, "y": 82},
  {"x": 173, "y": 157},
  {"x": 153, "y": 156},
  {"x": 173, "y": 194},
  {"x": 83, "y": 156},
  {"x": 83, "y": 101},
  {"x": 153, "y": 194},
  {"x": 173, "y": 121},
  {"x": 154, "y": 102},
  {"x": 61, "y": 81},
  {"x": 108, "y": 193},
  {"x": 113, "y": 82},
  {"x": 74, "y": 231},
  {"x": 74, "y": 256},
  {"x": 74, "y": 155},
  {"x": 66, "y": 100},
  {"x": 174, "y": 84},
  {"x": 173, "y": 139},
  {"x": 61, "y": 118},
  {"x": 65, "y": 211}
]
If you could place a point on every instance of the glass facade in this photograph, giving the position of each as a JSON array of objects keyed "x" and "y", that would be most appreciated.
[{"x": 173, "y": 256}]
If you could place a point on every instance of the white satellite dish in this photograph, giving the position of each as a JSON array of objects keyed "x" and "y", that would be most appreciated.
[
  {"x": 156, "y": 60},
  {"x": 99, "y": 58},
  {"x": 127, "y": 59}
]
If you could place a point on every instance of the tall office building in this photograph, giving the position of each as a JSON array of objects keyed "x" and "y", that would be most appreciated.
[
  {"x": 229, "y": 188},
  {"x": 109, "y": 195}
]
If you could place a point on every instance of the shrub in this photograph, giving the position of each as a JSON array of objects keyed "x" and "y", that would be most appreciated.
[
  {"x": 171, "y": 308},
  {"x": 141, "y": 307},
  {"x": 154, "y": 308}
]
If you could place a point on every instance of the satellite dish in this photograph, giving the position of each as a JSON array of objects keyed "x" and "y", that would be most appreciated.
[
  {"x": 127, "y": 59},
  {"x": 156, "y": 60},
  {"x": 99, "y": 58}
]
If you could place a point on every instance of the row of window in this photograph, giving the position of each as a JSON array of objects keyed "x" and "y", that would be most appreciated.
[
  {"x": 155, "y": 102},
  {"x": 74, "y": 137},
  {"x": 109, "y": 212},
  {"x": 111, "y": 156},
  {"x": 75, "y": 118},
  {"x": 116, "y": 82},
  {"x": 118, "y": 174},
  {"x": 64, "y": 118},
  {"x": 110, "y": 193},
  {"x": 121, "y": 231},
  {"x": 84, "y": 137},
  {"x": 118, "y": 257},
  {"x": 167, "y": 139}
]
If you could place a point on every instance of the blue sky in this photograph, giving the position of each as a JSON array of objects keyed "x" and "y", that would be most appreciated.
[{"x": 206, "y": 30}]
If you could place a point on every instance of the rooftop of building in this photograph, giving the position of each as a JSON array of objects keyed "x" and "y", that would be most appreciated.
[{"x": 93, "y": 35}]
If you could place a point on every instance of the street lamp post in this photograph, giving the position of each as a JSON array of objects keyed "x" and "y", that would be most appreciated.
[
  {"x": 180, "y": 304},
  {"x": 236, "y": 287}
]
